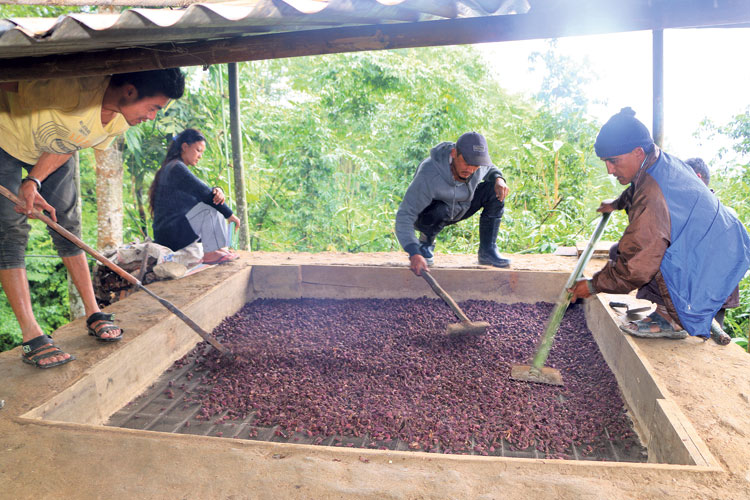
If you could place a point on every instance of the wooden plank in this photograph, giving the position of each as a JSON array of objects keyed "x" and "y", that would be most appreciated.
[
  {"x": 502, "y": 286},
  {"x": 110, "y": 384},
  {"x": 633, "y": 372},
  {"x": 664, "y": 429},
  {"x": 275, "y": 282},
  {"x": 601, "y": 249},
  {"x": 600, "y": 17},
  {"x": 675, "y": 439},
  {"x": 345, "y": 282}
]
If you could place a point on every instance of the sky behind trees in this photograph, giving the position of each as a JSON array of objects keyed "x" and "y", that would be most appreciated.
[{"x": 705, "y": 76}]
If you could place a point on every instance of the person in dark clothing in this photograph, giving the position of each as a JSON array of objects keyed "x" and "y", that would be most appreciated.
[
  {"x": 700, "y": 168},
  {"x": 185, "y": 208},
  {"x": 450, "y": 186}
]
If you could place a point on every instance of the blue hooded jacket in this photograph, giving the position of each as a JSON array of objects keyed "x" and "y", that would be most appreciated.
[
  {"x": 701, "y": 248},
  {"x": 709, "y": 251}
]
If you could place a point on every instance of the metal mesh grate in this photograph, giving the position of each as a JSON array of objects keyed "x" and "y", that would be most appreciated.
[{"x": 162, "y": 408}]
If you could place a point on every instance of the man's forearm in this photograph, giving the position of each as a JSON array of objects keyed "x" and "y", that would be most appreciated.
[
  {"x": 624, "y": 200},
  {"x": 47, "y": 164}
]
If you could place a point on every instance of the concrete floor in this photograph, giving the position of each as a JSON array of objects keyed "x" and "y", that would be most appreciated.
[{"x": 42, "y": 459}]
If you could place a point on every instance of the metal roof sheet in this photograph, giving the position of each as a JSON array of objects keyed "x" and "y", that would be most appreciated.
[
  {"x": 245, "y": 30},
  {"x": 22, "y": 37}
]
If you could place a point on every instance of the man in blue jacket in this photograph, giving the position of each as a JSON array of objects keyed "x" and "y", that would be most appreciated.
[
  {"x": 452, "y": 185},
  {"x": 679, "y": 235}
]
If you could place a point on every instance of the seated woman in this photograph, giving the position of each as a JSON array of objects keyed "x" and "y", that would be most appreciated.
[{"x": 185, "y": 208}]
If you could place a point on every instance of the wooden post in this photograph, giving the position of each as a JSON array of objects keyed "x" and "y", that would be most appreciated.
[
  {"x": 75, "y": 303},
  {"x": 239, "y": 169},
  {"x": 658, "y": 80}
]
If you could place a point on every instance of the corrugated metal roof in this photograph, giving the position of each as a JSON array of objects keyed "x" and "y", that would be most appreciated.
[
  {"x": 23, "y": 37},
  {"x": 246, "y": 30}
]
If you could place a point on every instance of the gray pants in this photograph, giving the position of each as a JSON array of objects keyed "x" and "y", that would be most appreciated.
[
  {"x": 59, "y": 189},
  {"x": 210, "y": 226}
]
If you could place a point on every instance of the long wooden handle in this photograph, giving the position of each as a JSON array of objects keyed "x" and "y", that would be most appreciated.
[
  {"x": 444, "y": 295},
  {"x": 72, "y": 237},
  {"x": 545, "y": 343},
  {"x": 117, "y": 269}
]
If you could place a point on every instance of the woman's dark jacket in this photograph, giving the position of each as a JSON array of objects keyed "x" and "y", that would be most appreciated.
[{"x": 176, "y": 194}]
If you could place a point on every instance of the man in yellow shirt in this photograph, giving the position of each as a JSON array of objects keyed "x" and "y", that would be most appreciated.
[{"x": 42, "y": 123}]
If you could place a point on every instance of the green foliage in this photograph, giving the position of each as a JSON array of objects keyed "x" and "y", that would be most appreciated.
[
  {"x": 738, "y": 130},
  {"x": 335, "y": 140},
  {"x": 10, "y": 335},
  {"x": 737, "y": 321},
  {"x": 8, "y": 11},
  {"x": 49, "y": 275},
  {"x": 331, "y": 143}
]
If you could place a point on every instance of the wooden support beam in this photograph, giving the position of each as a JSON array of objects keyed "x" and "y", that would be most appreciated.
[
  {"x": 238, "y": 167},
  {"x": 658, "y": 87},
  {"x": 610, "y": 18}
]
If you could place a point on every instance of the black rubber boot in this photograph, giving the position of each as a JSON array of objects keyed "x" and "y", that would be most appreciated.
[
  {"x": 427, "y": 247},
  {"x": 488, "y": 255}
]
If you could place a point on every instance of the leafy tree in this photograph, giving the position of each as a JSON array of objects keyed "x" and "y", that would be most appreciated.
[
  {"x": 357, "y": 125},
  {"x": 41, "y": 10},
  {"x": 332, "y": 142}
]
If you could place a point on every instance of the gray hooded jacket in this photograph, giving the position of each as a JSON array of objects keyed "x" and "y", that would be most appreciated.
[{"x": 434, "y": 181}]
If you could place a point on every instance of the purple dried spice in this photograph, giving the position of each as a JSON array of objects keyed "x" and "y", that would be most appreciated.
[{"x": 382, "y": 369}]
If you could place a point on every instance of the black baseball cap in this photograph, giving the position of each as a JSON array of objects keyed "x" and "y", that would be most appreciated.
[{"x": 473, "y": 147}]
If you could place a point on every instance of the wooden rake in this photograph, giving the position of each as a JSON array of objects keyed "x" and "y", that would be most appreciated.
[
  {"x": 536, "y": 371},
  {"x": 120, "y": 271}
]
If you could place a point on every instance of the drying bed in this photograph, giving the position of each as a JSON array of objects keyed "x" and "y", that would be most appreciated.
[
  {"x": 59, "y": 423},
  {"x": 102, "y": 393},
  {"x": 381, "y": 374}
]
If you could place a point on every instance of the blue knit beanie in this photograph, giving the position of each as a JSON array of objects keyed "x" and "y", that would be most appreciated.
[{"x": 622, "y": 134}]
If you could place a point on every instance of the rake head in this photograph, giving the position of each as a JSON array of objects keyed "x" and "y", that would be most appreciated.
[
  {"x": 527, "y": 373},
  {"x": 468, "y": 328}
]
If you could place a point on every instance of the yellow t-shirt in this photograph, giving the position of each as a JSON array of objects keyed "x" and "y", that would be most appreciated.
[{"x": 59, "y": 115}]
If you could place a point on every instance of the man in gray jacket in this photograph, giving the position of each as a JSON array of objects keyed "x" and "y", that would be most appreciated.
[{"x": 452, "y": 185}]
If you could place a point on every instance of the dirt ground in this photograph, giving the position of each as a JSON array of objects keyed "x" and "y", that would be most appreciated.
[{"x": 41, "y": 459}]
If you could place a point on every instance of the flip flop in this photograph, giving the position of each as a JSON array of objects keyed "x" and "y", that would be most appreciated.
[
  {"x": 221, "y": 260},
  {"x": 644, "y": 328},
  {"x": 630, "y": 314}
]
